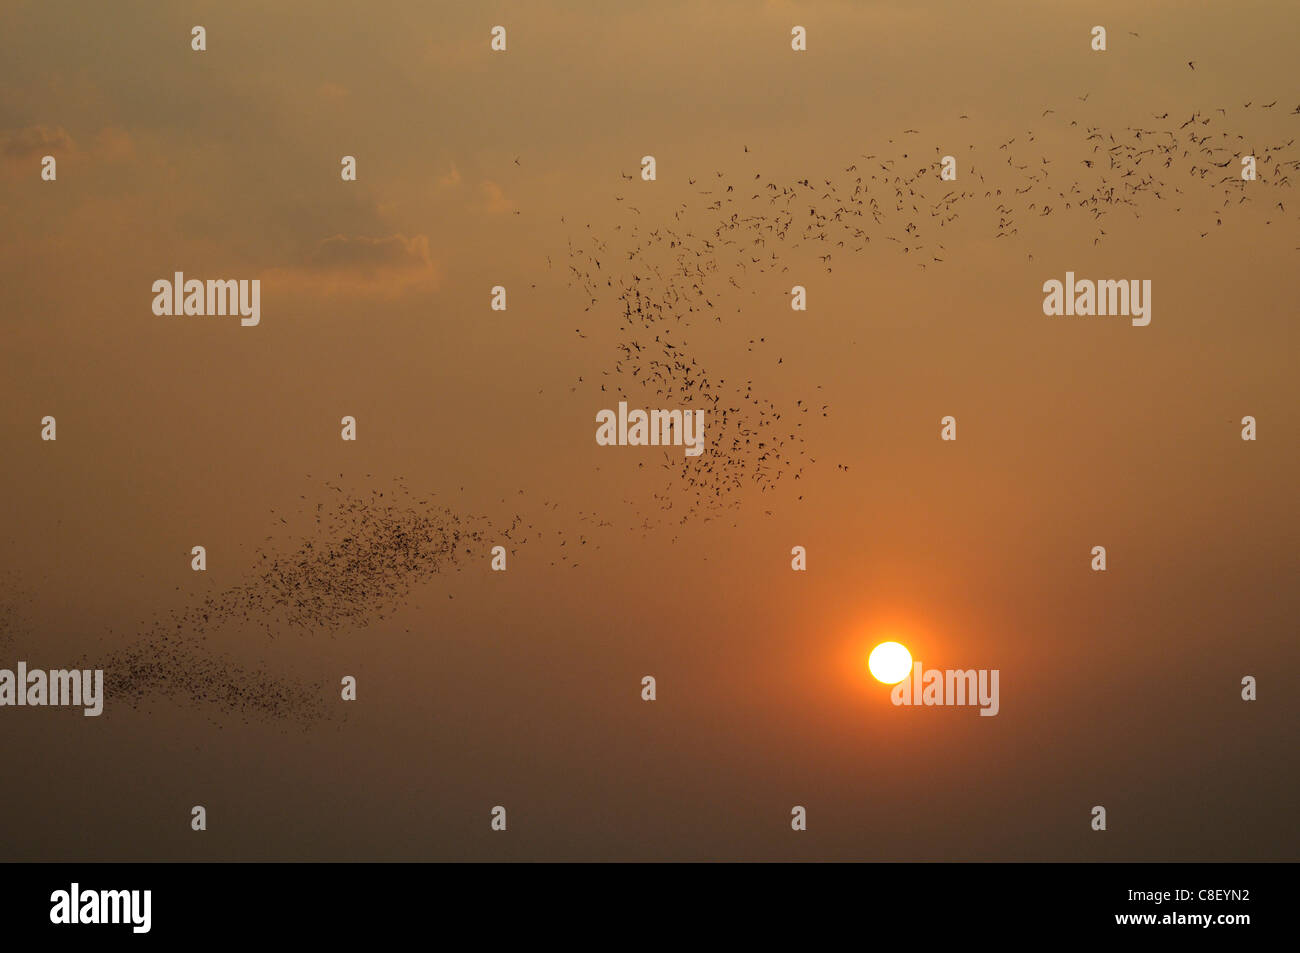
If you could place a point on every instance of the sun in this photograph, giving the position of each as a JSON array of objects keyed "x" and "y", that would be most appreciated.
[{"x": 890, "y": 662}]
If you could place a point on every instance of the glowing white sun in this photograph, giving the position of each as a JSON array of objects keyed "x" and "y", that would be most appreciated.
[{"x": 890, "y": 662}]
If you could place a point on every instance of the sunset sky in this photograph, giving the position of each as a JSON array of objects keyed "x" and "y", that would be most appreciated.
[{"x": 522, "y": 688}]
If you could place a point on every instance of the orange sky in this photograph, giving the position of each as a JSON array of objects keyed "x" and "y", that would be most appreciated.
[{"x": 522, "y": 688}]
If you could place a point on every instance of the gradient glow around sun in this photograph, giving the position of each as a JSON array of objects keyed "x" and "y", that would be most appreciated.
[{"x": 890, "y": 662}]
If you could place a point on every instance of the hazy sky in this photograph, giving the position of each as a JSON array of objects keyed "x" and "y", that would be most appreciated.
[{"x": 522, "y": 688}]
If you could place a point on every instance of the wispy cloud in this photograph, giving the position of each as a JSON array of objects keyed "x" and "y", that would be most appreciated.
[{"x": 362, "y": 265}]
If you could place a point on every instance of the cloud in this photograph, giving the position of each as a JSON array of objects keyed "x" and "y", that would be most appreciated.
[
  {"x": 451, "y": 179},
  {"x": 495, "y": 199},
  {"x": 363, "y": 265},
  {"x": 372, "y": 257},
  {"x": 32, "y": 142},
  {"x": 22, "y": 149}
]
